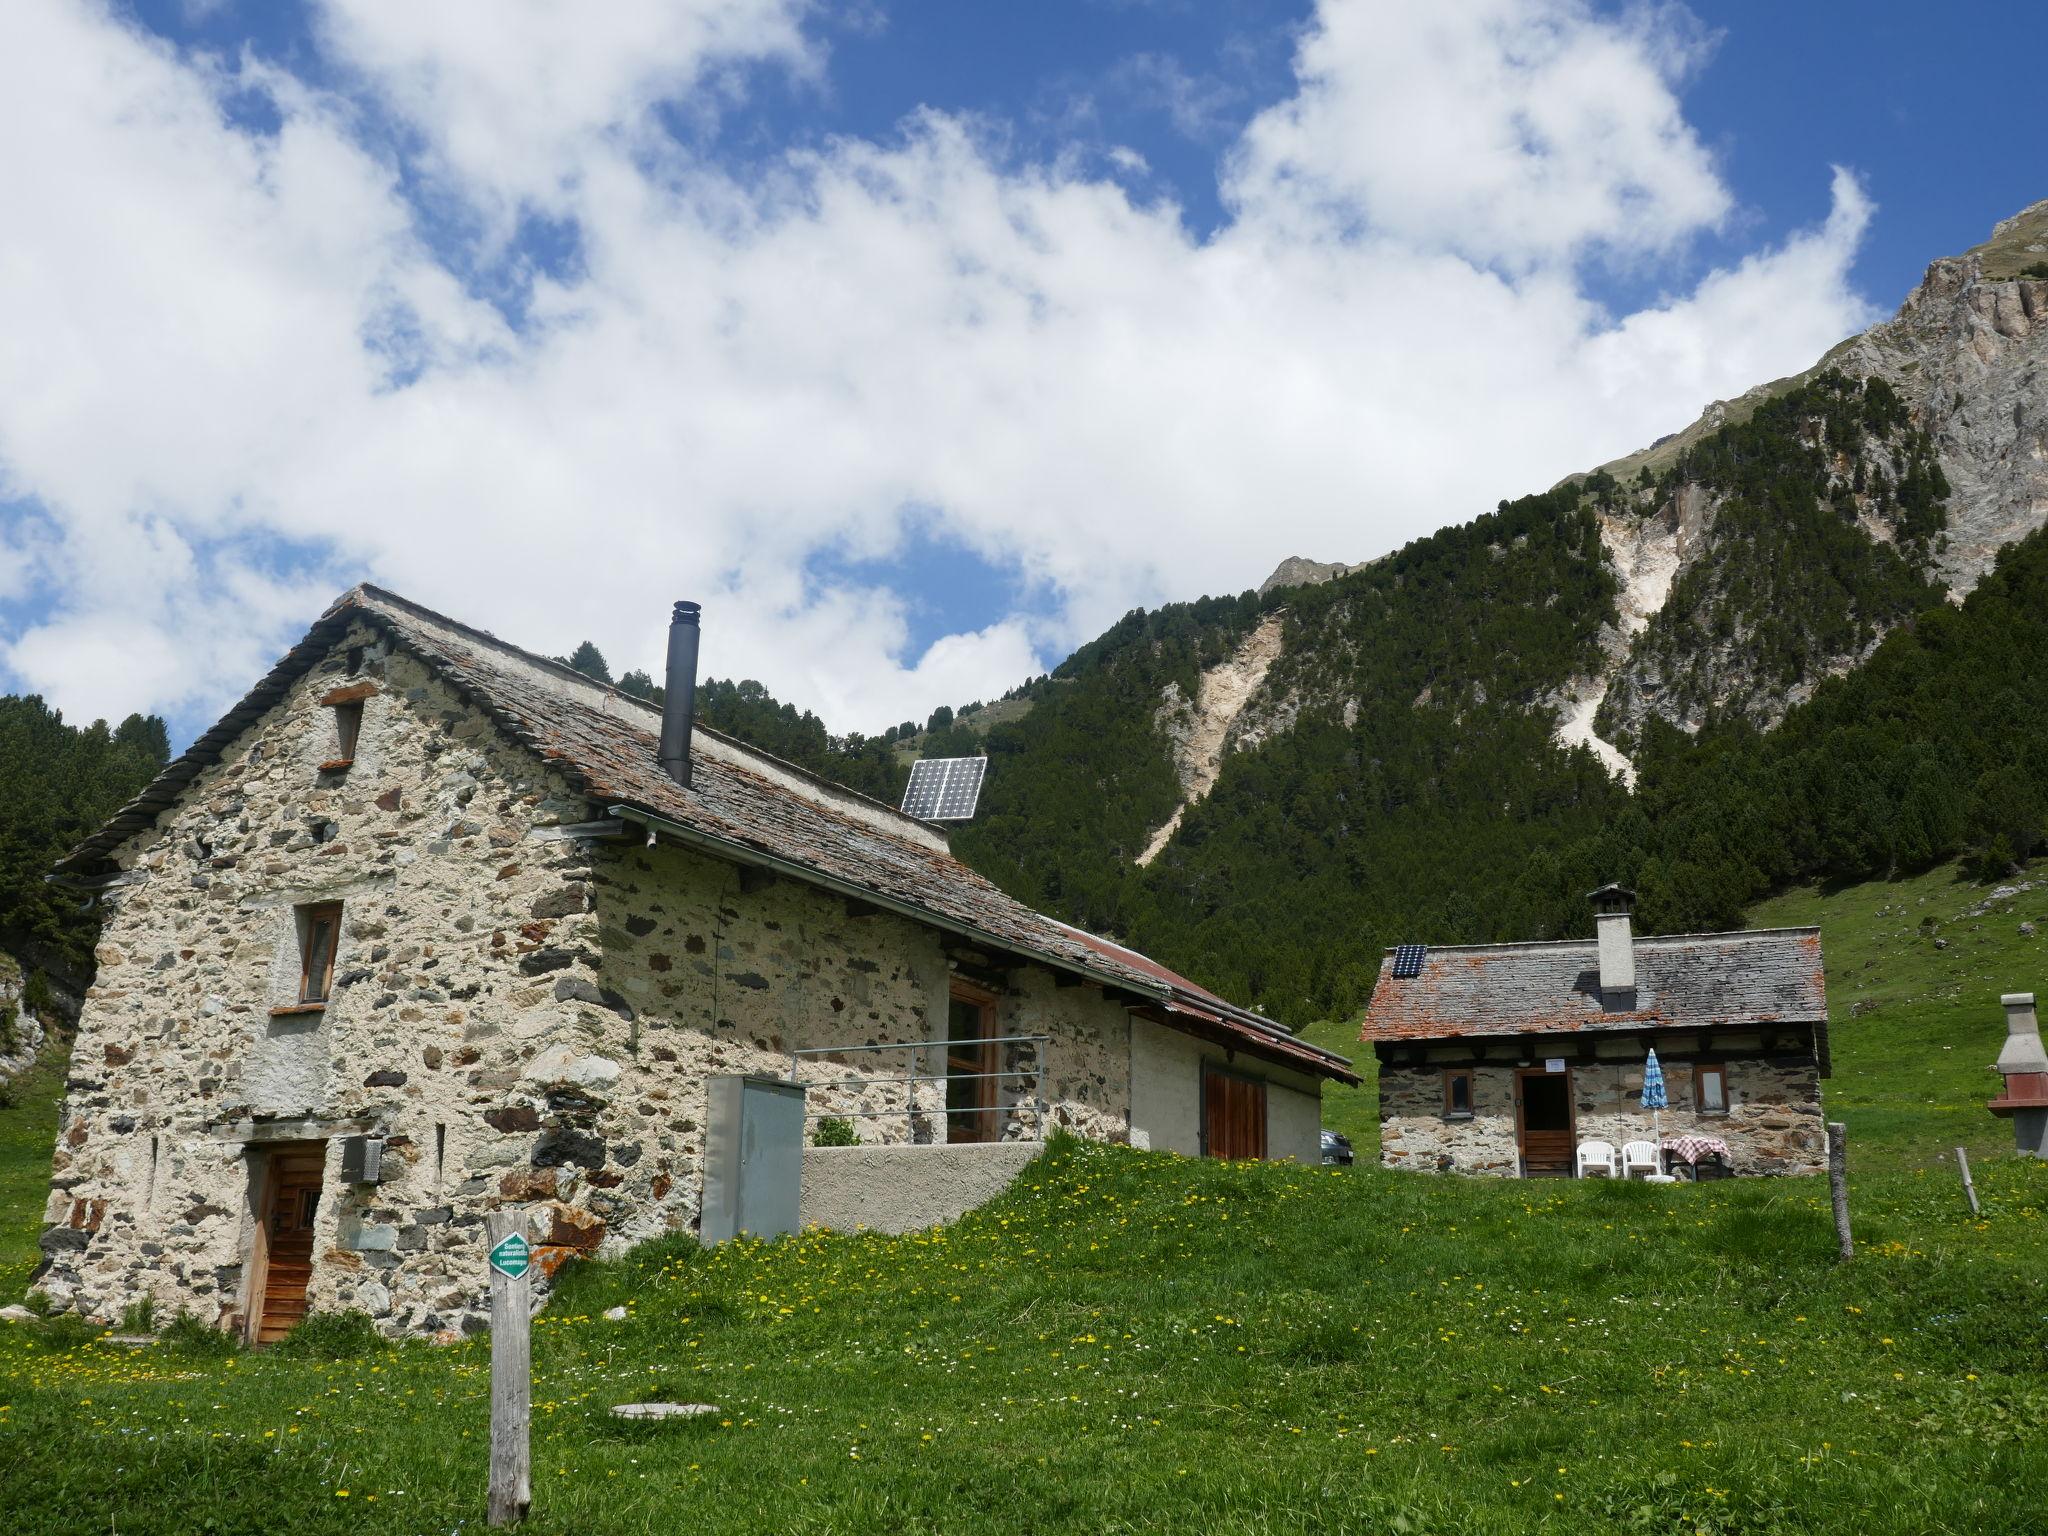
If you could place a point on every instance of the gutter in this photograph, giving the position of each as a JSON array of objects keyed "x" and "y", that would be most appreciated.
[{"x": 741, "y": 853}]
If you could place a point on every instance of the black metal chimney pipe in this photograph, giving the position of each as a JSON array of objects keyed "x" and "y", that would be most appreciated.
[{"x": 679, "y": 701}]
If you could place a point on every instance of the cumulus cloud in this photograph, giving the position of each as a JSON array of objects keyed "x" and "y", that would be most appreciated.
[{"x": 240, "y": 376}]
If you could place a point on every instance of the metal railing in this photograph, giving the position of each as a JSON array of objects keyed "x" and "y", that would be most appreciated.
[{"x": 911, "y": 1111}]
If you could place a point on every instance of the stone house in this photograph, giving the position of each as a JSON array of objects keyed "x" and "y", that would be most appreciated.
[
  {"x": 428, "y": 925},
  {"x": 1502, "y": 1058}
]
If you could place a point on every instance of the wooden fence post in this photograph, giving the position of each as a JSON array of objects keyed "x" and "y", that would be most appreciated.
[
  {"x": 510, "y": 1258},
  {"x": 1838, "y": 1183},
  {"x": 1963, "y": 1163}
]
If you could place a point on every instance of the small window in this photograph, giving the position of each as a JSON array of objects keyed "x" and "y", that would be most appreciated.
[
  {"x": 319, "y": 935},
  {"x": 1711, "y": 1089},
  {"x": 347, "y": 707},
  {"x": 1457, "y": 1095}
]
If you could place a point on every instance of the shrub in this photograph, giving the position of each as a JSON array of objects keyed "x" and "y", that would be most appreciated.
[
  {"x": 2038, "y": 269},
  {"x": 139, "y": 1316},
  {"x": 10, "y": 1029},
  {"x": 187, "y": 1335},
  {"x": 37, "y": 997},
  {"x": 331, "y": 1336},
  {"x": 834, "y": 1132}
]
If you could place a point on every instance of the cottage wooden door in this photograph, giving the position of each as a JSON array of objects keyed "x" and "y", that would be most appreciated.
[
  {"x": 1543, "y": 1123},
  {"x": 970, "y": 1065},
  {"x": 1233, "y": 1114},
  {"x": 293, "y": 1176}
]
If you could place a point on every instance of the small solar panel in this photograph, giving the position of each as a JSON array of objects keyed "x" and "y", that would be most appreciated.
[
  {"x": 1408, "y": 960},
  {"x": 944, "y": 788}
]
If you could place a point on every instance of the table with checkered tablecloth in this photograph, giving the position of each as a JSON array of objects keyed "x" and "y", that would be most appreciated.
[{"x": 1690, "y": 1149}]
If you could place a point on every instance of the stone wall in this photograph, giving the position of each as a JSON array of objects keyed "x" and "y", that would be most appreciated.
[
  {"x": 1773, "y": 1124},
  {"x": 527, "y": 1015}
]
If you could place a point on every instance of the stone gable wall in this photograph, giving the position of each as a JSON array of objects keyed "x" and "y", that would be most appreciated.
[
  {"x": 528, "y": 1017},
  {"x": 1774, "y": 1122}
]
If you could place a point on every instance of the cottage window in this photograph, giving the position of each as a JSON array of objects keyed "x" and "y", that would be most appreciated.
[
  {"x": 347, "y": 707},
  {"x": 970, "y": 1064},
  {"x": 1710, "y": 1086},
  {"x": 1457, "y": 1095},
  {"x": 319, "y": 936}
]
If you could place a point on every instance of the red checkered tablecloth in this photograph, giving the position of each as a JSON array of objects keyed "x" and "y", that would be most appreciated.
[{"x": 1692, "y": 1148}]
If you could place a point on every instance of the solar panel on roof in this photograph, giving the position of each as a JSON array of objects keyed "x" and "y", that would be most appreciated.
[
  {"x": 944, "y": 788},
  {"x": 1408, "y": 960}
]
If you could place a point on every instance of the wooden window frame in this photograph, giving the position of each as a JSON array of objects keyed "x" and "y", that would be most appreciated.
[
  {"x": 304, "y": 920},
  {"x": 1451, "y": 1110},
  {"x": 1700, "y": 1072},
  {"x": 979, "y": 1124}
]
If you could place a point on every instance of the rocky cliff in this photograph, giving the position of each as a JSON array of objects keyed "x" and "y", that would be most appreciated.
[{"x": 1967, "y": 358}]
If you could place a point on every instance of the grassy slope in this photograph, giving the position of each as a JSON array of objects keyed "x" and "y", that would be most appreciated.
[
  {"x": 28, "y": 1130},
  {"x": 1915, "y": 1027},
  {"x": 1136, "y": 1342}
]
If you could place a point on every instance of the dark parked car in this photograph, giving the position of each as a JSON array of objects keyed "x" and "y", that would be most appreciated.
[{"x": 1337, "y": 1149}]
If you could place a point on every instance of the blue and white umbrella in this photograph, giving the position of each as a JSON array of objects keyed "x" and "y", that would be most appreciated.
[{"x": 1655, "y": 1099}]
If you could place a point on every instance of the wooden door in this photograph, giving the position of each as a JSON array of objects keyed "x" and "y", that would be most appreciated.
[
  {"x": 970, "y": 1065},
  {"x": 1543, "y": 1124},
  {"x": 1233, "y": 1114},
  {"x": 291, "y": 1199}
]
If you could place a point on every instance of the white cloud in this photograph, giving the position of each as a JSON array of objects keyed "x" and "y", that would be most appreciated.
[
  {"x": 742, "y": 375},
  {"x": 1514, "y": 131}
]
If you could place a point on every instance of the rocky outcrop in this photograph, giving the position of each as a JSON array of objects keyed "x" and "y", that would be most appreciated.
[
  {"x": 1968, "y": 356},
  {"x": 1202, "y": 730},
  {"x": 21, "y": 1032},
  {"x": 1295, "y": 571}
]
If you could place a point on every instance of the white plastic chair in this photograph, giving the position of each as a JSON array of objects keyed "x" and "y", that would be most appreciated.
[
  {"x": 1596, "y": 1154},
  {"x": 1639, "y": 1156}
]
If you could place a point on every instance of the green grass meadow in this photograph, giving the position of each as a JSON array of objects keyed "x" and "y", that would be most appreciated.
[{"x": 1138, "y": 1342}]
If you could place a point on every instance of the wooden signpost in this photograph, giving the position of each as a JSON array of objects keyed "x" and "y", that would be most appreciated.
[
  {"x": 1838, "y": 1184},
  {"x": 511, "y": 1257}
]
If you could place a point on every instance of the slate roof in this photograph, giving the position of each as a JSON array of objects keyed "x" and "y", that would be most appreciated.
[
  {"x": 742, "y": 803},
  {"x": 1683, "y": 981}
]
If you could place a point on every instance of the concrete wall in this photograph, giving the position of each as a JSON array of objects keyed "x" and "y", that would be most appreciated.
[
  {"x": 1773, "y": 1125},
  {"x": 905, "y": 1189},
  {"x": 1166, "y": 1096}
]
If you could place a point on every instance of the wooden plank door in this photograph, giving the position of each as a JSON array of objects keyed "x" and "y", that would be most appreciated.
[
  {"x": 1233, "y": 1114},
  {"x": 1543, "y": 1124},
  {"x": 970, "y": 1065},
  {"x": 292, "y": 1178}
]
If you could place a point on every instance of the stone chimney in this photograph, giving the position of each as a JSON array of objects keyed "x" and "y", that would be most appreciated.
[
  {"x": 2025, "y": 1068},
  {"x": 1612, "y": 905}
]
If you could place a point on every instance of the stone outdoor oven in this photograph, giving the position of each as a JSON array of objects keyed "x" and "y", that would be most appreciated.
[{"x": 427, "y": 927}]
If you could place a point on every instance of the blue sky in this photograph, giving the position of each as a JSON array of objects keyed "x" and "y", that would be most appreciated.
[{"x": 918, "y": 339}]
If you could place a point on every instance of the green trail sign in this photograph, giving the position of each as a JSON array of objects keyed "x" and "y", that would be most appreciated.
[{"x": 512, "y": 1255}]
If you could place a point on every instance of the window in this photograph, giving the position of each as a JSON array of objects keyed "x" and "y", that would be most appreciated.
[
  {"x": 347, "y": 705},
  {"x": 970, "y": 1064},
  {"x": 1457, "y": 1095},
  {"x": 319, "y": 934},
  {"x": 1710, "y": 1090}
]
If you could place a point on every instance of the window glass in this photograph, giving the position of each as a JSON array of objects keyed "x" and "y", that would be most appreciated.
[
  {"x": 1458, "y": 1093},
  {"x": 1713, "y": 1090}
]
